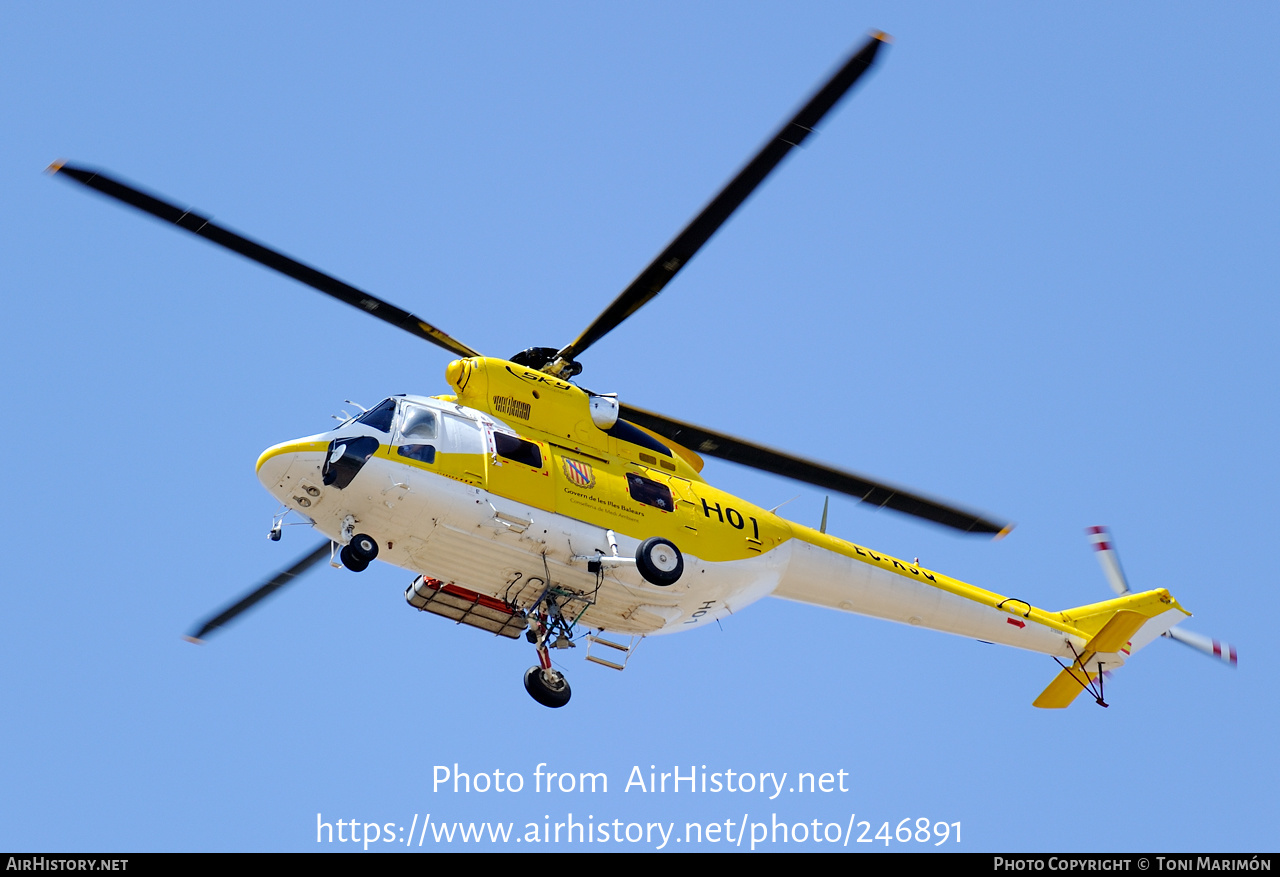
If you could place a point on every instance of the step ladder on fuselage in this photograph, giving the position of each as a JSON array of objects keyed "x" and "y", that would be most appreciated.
[{"x": 617, "y": 651}]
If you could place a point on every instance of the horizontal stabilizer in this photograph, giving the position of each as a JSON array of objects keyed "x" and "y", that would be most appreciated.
[
  {"x": 1115, "y": 634},
  {"x": 1113, "y": 628},
  {"x": 1113, "y": 637},
  {"x": 1064, "y": 688}
]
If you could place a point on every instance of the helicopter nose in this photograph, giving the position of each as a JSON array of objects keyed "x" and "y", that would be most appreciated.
[
  {"x": 273, "y": 467},
  {"x": 283, "y": 467}
]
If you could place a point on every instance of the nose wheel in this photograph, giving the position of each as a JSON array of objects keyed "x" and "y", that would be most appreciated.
[{"x": 357, "y": 554}]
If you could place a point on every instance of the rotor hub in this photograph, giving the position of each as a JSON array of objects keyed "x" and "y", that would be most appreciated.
[{"x": 547, "y": 359}]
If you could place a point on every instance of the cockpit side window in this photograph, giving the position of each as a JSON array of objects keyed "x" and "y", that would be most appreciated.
[
  {"x": 380, "y": 416},
  {"x": 417, "y": 423}
]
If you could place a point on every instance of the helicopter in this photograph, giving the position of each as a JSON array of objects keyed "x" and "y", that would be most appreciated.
[{"x": 528, "y": 506}]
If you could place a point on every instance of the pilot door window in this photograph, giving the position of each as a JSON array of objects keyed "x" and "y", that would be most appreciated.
[
  {"x": 417, "y": 423},
  {"x": 417, "y": 427}
]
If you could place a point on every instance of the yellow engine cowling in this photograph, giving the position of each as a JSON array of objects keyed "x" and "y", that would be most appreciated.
[{"x": 525, "y": 398}]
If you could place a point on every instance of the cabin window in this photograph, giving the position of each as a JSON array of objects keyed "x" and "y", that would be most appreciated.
[
  {"x": 421, "y": 453},
  {"x": 517, "y": 449},
  {"x": 649, "y": 492},
  {"x": 380, "y": 416}
]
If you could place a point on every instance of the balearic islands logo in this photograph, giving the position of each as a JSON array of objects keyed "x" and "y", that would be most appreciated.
[{"x": 579, "y": 473}]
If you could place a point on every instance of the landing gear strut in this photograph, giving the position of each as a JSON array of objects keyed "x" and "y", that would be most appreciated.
[{"x": 544, "y": 683}]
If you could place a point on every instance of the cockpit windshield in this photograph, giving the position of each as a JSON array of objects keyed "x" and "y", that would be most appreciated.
[{"x": 380, "y": 416}]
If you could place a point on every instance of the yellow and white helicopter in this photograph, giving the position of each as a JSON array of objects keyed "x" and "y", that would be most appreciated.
[{"x": 528, "y": 505}]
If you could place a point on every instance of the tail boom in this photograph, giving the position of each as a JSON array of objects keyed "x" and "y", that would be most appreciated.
[{"x": 825, "y": 571}]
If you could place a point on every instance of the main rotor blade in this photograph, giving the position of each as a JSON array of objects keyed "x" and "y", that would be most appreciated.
[
  {"x": 263, "y": 255},
  {"x": 265, "y": 590},
  {"x": 877, "y": 493},
  {"x": 658, "y": 274}
]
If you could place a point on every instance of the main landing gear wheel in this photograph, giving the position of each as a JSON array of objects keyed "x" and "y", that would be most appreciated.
[
  {"x": 357, "y": 554},
  {"x": 659, "y": 561},
  {"x": 553, "y": 692}
]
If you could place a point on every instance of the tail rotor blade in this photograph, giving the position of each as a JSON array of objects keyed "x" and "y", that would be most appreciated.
[
  {"x": 1105, "y": 548},
  {"x": 260, "y": 593},
  {"x": 1224, "y": 652},
  {"x": 1108, "y": 558}
]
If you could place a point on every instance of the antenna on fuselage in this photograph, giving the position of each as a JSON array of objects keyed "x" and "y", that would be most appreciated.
[{"x": 774, "y": 510}]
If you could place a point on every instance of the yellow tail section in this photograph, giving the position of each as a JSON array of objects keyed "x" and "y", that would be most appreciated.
[
  {"x": 1114, "y": 630},
  {"x": 1064, "y": 689}
]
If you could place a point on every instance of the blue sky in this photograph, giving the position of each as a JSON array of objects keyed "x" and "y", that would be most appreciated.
[{"x": 1029, "y": 266}]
